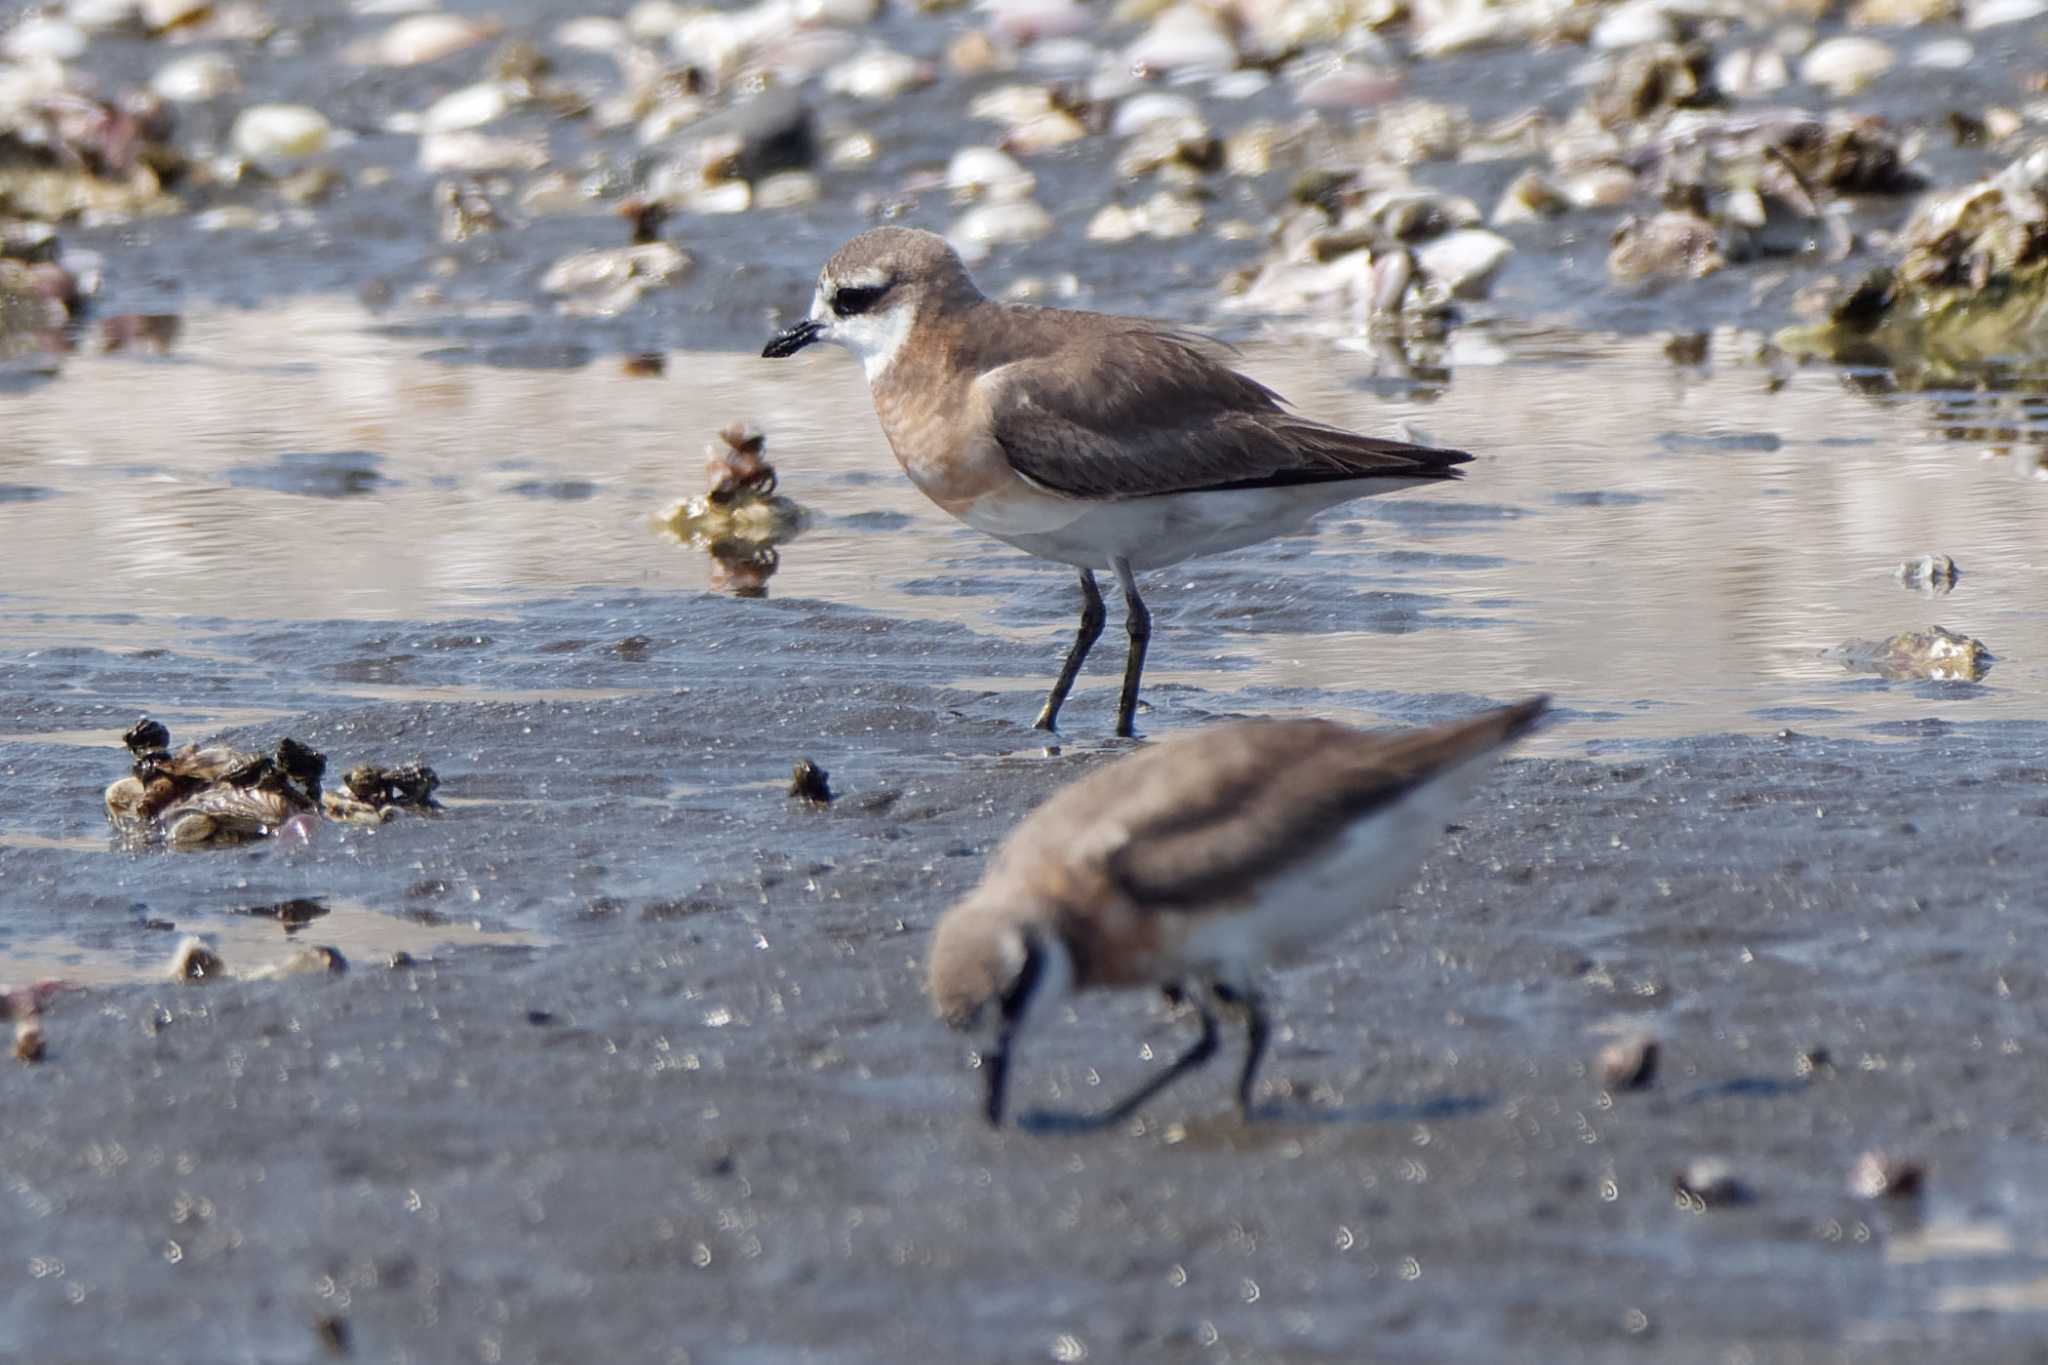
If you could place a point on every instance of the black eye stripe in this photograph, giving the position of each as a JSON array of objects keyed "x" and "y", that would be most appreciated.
[{"x": 851, "y": 299}]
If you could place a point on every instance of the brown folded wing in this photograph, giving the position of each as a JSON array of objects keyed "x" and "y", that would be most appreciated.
[
  {"x": 1201, "y": 819},
  {"x": 1133, "y": 412}
]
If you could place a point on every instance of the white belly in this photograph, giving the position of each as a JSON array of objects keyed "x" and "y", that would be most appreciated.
[{"x": 1154, "y": 532}]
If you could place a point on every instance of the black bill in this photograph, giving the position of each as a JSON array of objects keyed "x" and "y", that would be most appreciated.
[{"x": 790, "y": 340}]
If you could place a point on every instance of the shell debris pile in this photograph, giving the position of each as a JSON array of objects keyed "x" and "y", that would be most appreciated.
[{"x": 214, "y": 794}]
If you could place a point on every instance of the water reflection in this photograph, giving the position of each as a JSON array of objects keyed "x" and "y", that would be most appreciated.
[
  {"x": 251, "y": 940},
  {"x": 1670, "y": 537}
]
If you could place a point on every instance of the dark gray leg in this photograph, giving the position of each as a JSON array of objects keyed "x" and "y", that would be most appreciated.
[
  {"x": 995, "y": 1070},
  {"x": 1043, "y": 1121},
  {"x": 1256, "y": 1033},
  {"x": 1084, "y": 640},
  {"x": 1138, "y": 622}
]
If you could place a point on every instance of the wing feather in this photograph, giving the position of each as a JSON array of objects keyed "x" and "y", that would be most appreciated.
[
  {"x": 1143, "y": 412},
  {"x": 1262, "y": 797}
]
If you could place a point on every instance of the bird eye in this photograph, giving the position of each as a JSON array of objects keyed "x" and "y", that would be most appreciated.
[{"x": 854, "y": 299}]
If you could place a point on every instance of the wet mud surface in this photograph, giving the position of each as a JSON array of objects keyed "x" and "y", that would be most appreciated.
[{"x": 710, "y": 1118}]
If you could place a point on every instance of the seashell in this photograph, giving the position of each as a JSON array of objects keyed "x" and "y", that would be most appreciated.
[
  {"x": 1140, "y": 112},
  {"x": 168, "y": 14},
  {"x": 978, "y": 172},
  {"x": 1529, "y": 196},
  {"x": 424, "y": 38},
  {"x": 477, "y": 153},
  {"x": 1183, "y": 38},
  {"x": 1997, "y": 13},
  {"x": 1944, "y": 54},
  {"x": 280, "y": 132},
  {"x": 1847, "y": 64},
  {"x": 654, "y": 20},
  {"x": 472, "y": 106},
  {"x": 986, "y": 226},
  {"x": 196, "y": 79},
  {"x": 1636, "y": 23},
  {"x": 1465, "y": 262},
  {"x": 42, "y": 38},
  {"x": 593, "y": 33},
  {"x": 787, "y": 190},
  {"x": 879, "y": 73}
]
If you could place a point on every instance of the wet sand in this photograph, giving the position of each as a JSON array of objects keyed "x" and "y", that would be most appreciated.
[{"x": 718, "y": 1125}]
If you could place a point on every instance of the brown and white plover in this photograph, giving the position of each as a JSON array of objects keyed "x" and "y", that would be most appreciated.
[
  {"x": 1191, "y": 865},
  {"x": 1087, "y": 439}
]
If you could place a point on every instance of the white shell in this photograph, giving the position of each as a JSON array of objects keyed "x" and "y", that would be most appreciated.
[
  {"x": 197, "y": 78},
  {"x": 1846, "y": 64},
  {"x": 472, "y": 106},
  {"x": 1466, "y": 261},
  {"x": 44, "y": 37},
  {"x": 429, "y": 38},
  {"x": 280, "y": 132}
]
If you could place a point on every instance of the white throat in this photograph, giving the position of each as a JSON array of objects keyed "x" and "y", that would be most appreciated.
[{"x": 875, "y": 337}]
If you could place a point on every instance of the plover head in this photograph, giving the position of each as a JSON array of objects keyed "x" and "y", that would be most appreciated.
[
  {"x": 989, "y": 971},
  {"x": 873, "y": 290}
]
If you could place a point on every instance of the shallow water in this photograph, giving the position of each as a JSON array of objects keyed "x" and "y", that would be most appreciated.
[{"x": 1670, "y": 548}]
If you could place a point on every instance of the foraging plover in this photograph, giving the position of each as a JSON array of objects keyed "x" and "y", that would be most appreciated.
[
  {"x": 1097, "y": 441},
  {"x": 1193, "y": 863}
]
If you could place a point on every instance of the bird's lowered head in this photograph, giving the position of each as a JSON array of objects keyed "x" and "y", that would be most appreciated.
[{"x": 989, "y": 973}]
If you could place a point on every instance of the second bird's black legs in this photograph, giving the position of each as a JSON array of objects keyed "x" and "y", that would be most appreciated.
[
  {"x": 1044, "y": 1121},
  {"x": 1138, "y": 622},
  {"x": 1084, "y": 640},
  {"x": 1256, "y": 1033}
]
